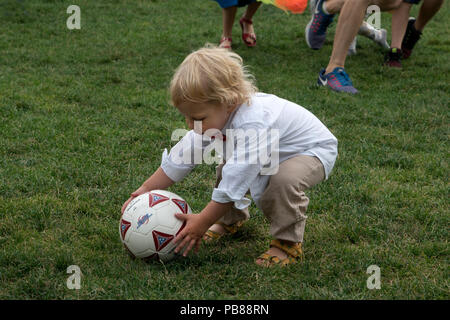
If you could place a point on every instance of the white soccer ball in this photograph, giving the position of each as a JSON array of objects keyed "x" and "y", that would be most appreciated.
[{"x": 148, "y": 225}]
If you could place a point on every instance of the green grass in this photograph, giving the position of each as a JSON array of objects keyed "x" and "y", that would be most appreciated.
[{"x": 84, "y": 118}]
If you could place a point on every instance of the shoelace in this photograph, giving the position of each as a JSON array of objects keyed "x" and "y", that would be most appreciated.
[
  {"x": 343, "y": 78},
  {"x": 321, "y": 22}
]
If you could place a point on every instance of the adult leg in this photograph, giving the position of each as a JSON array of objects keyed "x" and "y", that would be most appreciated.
[
  {"x": 322, "y": 16},
  {"x": 427, "y": 11},
  {"x": 251, "y": 10},
  {"x": 350, "y": 19},
  {"x": 247, "y": 23},
  {"x": 415, "y": 27},
  {"x": 228, "y": 15},
  {"x": 333, "y": 6},
  {"x": 399, "y": 21}
]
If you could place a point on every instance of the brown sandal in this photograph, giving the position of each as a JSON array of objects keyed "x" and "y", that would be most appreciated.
[{"x": 294, "y": 254}]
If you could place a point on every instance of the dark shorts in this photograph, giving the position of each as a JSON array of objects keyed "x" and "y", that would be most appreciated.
[
  {"x": 412, "y": 1},
  {"x": 233, "y": 3}
]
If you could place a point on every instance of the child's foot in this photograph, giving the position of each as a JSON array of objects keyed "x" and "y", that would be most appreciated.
[
  {"x": 217, "y": 230},
  {"x": 272, "y": 252},
  {"x": 281, "y": 253}
]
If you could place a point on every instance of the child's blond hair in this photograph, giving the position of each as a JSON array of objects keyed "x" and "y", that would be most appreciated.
[{"x": 212, "y": 75}]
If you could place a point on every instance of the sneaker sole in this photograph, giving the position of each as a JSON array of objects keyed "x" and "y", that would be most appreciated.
[{"x": 308, "y": 26}]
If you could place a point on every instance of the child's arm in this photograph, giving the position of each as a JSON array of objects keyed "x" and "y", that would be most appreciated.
[
  {"x": 158, "y": 180},
  {"x": 198, "y": 224}
]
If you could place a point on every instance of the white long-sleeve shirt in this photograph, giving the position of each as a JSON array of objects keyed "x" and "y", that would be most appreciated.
[{"x": 291, "y": 130}]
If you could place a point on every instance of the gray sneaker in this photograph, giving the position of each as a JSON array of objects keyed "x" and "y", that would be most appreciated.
[
  {"x": 337, "y": 80},
  {"x": 316, "y": 29}
]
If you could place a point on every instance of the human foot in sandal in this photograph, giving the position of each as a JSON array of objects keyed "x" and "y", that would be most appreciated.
[
  {"x": 220, "y": 229},
  {"x": 248, "y": 34},
  {"x": 281, "y": 253},
  {"x": 225, "y": 43}
]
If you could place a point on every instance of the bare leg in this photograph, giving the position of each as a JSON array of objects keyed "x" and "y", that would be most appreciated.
[
  {"x": 427, "y": 11},
  {"x": 251, "y": 10},
  {"x": 334, "y": 6},
  {"x": 228, "y": 15},
  {"x": 248, "y": 15},
  {"x": 350, "y": 19},
  {"x": 399, "y": 21}
]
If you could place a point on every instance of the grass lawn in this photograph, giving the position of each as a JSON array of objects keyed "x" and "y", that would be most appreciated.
[{"x": 84, "y": 118}]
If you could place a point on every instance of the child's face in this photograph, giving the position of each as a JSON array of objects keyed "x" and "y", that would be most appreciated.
[{"x": 212, "y": 116}]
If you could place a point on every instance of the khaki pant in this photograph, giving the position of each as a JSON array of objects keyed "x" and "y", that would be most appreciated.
[{"x": 284, "y": 202}]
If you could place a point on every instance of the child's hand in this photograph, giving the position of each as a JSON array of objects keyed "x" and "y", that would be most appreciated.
[
  {"x": 135, "y": 194},
  {"x": 191, "y": 236},
  {"x": 158, "y": 180}
]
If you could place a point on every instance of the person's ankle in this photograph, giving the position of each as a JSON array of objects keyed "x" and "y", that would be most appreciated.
[
  {"x": 415, "y": 27},
  {"x": 246, "y": 17},
  {"x": 331, "y": 67},
  {"x": 247, "y": 23}
]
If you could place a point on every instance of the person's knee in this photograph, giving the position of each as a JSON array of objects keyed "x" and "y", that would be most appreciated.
[
  {"x": 387, "y": 5},
  {"x": 284, "y": 180},
  {"x": 362, "y": 2}
]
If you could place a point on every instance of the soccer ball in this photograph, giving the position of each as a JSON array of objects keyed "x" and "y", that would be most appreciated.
[{"x": 148, "y": 225}]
